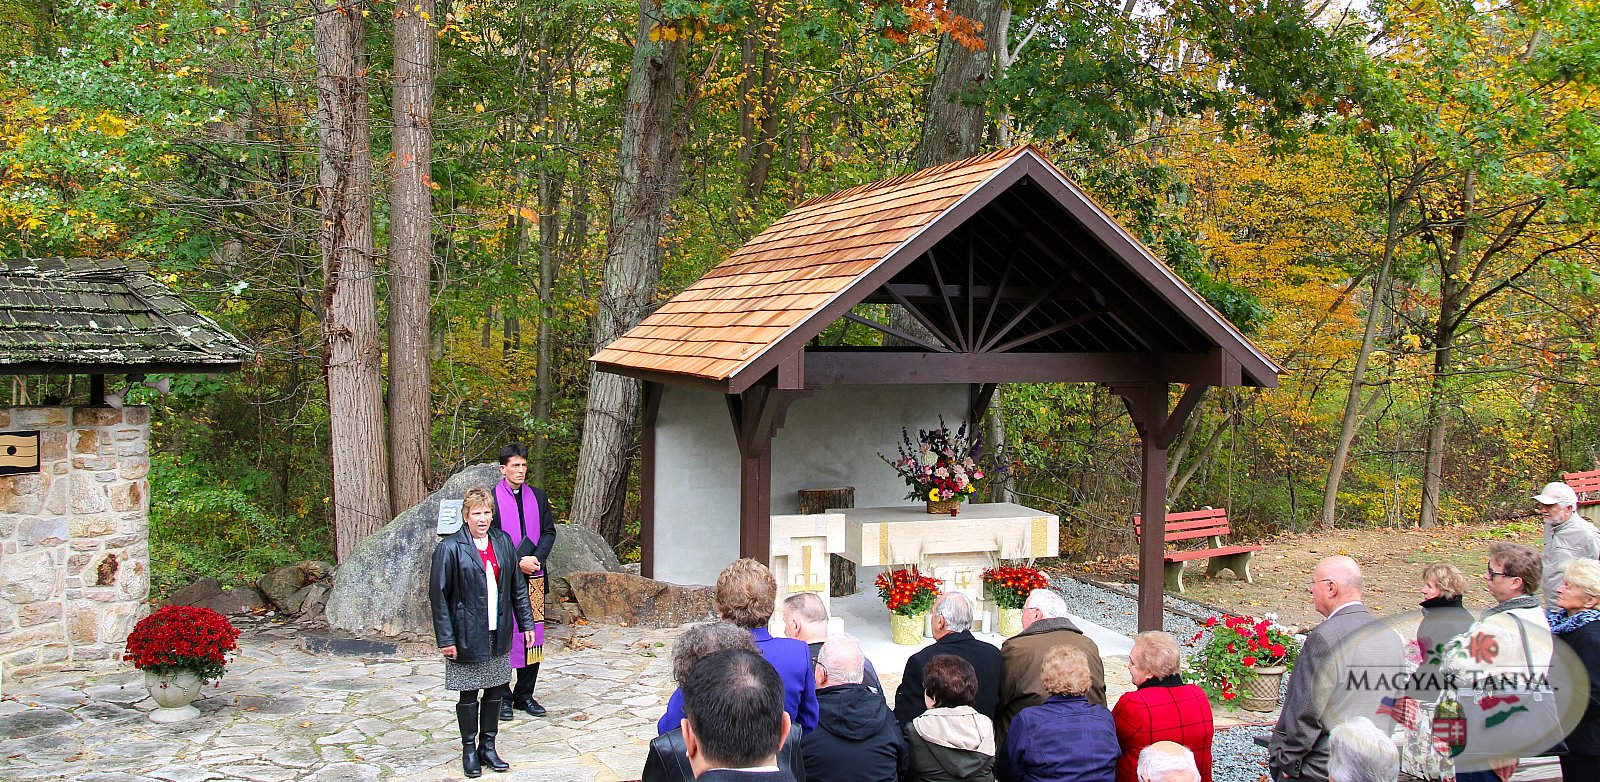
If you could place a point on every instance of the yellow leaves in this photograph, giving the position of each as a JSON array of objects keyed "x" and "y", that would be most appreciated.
[
  {"x": 518, "y": 210},
  {"x": 108, "y": 124},
  {"x": 478, "y": 107},
  {"x": 219, "y": 31}
]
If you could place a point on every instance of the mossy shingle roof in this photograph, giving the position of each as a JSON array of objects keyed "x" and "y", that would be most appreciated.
[{"x": 94, "y": 315}]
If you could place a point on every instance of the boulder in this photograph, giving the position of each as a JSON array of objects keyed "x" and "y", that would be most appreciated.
[
  {"x": 316, "y": 570},
  {"x": 295, "y": 602},
  {"x": 315, "y": 601},
  {"x": 281, "y": 587},
  {"x": 635, "y": 601},
  {"x": 382, "y": 587},
  {"x": 579, "y": 550},
  {"x": 236, "y": 601},
  {"x": 201, "y": 590}
]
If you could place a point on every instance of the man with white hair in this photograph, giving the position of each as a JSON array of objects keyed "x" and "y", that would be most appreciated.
[
  {"x": 1044, "y": 624},
  {"x": 1359, "y": 752},
  {"x": 805, "y": 618},
  {"x": 857, "y": 737},
  {"x": 1342, "y": 672},
  {"x": 952, "y": 634},
  {"x": 1169, "y": 761},
  {"x": 1566, "y": 536}
]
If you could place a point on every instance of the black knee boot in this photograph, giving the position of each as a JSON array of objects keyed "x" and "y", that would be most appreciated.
[
  {"x": 488, "y": 726},
  {"x": 522, "y": 695},
  {"x": 467, "y": 720}
]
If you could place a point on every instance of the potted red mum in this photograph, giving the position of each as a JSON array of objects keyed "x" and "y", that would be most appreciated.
[{"x": 180, "y": 648}]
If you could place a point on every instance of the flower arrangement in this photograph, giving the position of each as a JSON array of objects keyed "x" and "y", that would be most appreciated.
[
  {"x": 1237, "y": 645},
  {"x": 907, "y": 592},
  {"x": 1008, "y": 586},
  {"x": 940, "y": 466},
  {"x": 183, "y": 638}
]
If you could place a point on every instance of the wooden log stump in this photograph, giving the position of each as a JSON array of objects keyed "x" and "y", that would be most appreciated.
[{"x": 841, "y": 571}]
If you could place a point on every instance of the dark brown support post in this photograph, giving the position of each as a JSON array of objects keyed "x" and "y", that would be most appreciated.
[
  {"x": 647, "y": 478},
  {"x": 97, "y": 389},
  {"x": 1147, "y": 405},
  {"x": 757, "y": 415}
]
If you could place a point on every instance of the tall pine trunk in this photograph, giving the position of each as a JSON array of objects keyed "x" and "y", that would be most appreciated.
[
  {"x": 410, "y": 254},
  {"x": 649, "y": 161},
  {"x": 352, "y": 350}
]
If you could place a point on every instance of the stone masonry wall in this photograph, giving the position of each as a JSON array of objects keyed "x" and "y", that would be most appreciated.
[{"x": 74, "y": 538}]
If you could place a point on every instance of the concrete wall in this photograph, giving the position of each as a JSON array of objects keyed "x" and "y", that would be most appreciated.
[
  {"x": 830, "y": 438},
  {"x": 74, "y": 538}
]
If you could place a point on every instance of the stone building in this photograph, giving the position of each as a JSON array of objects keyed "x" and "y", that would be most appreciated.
[{"x": 74, "y": 487}]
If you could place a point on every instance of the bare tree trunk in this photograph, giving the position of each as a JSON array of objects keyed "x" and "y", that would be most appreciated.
[
  {"x": 1452, "y": 290},
  {"x": 1358, "y": 377},
  {"x": 352, "y": 348},
  {"x": 411, "y": 254},
  {"x": 649, "y": 162}
]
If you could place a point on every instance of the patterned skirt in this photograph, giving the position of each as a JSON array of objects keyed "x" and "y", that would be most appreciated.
[{"x": 492, "y": 672}]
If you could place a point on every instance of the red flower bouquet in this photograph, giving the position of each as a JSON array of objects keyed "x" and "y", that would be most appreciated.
[
  {"x": 1236, "y": 646},
  {"x": 183, "y": 638},
  {"x": 907, "y": 592},
  {"x": 1009, "y": 586}
]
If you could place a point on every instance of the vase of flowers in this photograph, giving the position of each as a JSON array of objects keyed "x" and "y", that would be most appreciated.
[
  {"x": 1243, "y": 658},
  {"x": 180, "y": 648},
  {"x": 1008, "y": 587},
  {"x": 941, "y": 468},
  {"x": 909, "y": 596}
]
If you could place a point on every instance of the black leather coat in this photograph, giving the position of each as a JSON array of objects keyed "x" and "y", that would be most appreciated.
[
  {"x": 461, "y": 604},
  {"x": 668, "y": 761}
]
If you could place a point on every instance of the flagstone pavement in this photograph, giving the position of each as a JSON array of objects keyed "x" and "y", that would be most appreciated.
[{"x": 282, "y": 713}]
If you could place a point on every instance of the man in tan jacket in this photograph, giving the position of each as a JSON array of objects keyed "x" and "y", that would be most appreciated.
[{"x": 1045, "y": 624}]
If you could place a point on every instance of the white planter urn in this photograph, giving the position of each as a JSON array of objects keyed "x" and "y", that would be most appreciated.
[{"x": 174, "y": 695}]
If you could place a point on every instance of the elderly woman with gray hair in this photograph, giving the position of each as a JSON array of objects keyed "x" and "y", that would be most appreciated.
[
  {"x": 1574, "y": 621},
  {"x": 667, "y": 761},
  {"x": 1161, "y": 708}
]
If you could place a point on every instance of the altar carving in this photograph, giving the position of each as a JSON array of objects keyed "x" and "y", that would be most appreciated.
[
  {"x": 954, "y": 550},
  {"x": 799, "y": 560}
]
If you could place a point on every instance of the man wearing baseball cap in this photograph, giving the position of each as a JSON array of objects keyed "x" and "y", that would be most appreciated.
[{"x": 1566, "y": 536}]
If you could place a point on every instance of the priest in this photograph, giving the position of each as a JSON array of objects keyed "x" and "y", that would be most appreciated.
[{"x": 523, "y": 512}]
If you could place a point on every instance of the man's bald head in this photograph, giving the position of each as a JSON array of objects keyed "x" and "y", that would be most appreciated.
[{"x": 1336, "y": 581}]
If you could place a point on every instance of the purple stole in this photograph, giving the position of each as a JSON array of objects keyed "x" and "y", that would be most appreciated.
[{"x": 512, "y": 522}]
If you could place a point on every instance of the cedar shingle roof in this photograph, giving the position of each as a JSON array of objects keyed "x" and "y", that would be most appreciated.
[
  {"x": 789, "y": 271},
  {"x": 835, "y": 251},
  {"x": 66, "y": 315}
]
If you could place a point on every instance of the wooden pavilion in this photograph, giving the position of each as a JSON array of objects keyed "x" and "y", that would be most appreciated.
[{"x": 1018, "y": 275}]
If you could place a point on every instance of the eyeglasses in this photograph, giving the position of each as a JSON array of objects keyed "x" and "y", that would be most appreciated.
[
  {"x": 1492, "y": 575},
  {"x": 1314, "y": 582}
]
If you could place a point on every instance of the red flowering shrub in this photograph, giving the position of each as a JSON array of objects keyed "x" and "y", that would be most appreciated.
[
  {"x": 183, "y": 638},
  {"x": 1008, "y": 587},
  {"x": 1235, "y": 647},
  {"x": 907, "y": 592}
]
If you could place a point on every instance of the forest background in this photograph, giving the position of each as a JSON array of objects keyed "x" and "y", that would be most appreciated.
[{"x": 425, "y": 216}]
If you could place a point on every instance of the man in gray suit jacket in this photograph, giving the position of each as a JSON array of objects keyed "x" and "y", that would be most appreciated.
[{"x": 1345, "y": 670}]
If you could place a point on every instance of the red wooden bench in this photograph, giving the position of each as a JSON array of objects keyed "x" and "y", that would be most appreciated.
[
  {"x": 1211, "y": 524},
  {"x": 1586, "y": 484}
]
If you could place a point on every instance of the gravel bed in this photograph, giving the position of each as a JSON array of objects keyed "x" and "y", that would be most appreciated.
[
  {"x": 1121, "y": 614},
  {"x": 1235, "y": 757}
]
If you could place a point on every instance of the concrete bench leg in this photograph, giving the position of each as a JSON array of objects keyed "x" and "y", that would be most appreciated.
[
  {"x": 1238, "y": 563},
  {"x": 1173, "y": 573}
]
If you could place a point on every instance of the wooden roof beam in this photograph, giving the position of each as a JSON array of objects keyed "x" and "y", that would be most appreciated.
[{"x": 877, "y": 366}]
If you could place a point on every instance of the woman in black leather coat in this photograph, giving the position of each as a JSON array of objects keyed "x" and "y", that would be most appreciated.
[
  {"x": 475, "y": 587},
  {"x": 667, "y": 761}
]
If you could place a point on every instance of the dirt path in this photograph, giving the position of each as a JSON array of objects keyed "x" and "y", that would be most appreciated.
[{"x": 1391, "y": 561}]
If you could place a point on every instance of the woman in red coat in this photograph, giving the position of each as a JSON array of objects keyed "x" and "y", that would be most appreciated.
[{"x": 1163, "y": 708}]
